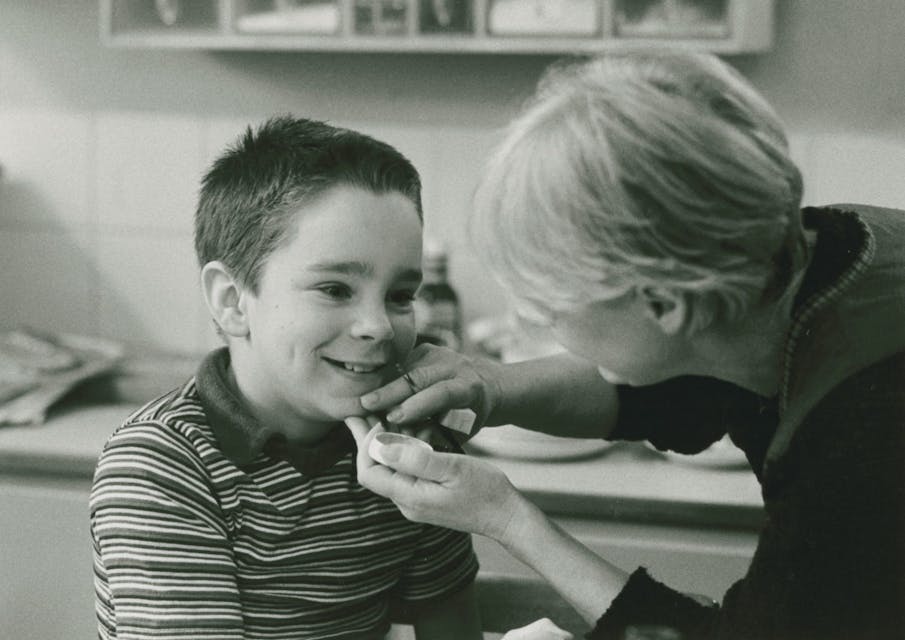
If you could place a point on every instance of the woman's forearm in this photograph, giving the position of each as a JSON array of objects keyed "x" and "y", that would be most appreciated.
[
  {"x": 585, "y": 580},
  {"x": 468, "y": 494},
  {"x": 561, "y": 395}
]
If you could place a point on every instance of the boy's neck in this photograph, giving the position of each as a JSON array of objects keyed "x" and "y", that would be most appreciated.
[{"x": 276, "y": 420}]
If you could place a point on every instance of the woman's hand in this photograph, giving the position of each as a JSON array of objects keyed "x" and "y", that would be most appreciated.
[
  {"x": 443, "y": 489},
  {"x": 542, "y": 629},
  {"x": 443, "y": 379}
]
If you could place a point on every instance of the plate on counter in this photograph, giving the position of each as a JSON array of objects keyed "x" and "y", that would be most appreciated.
[
  {"x": 722, "y": 454},
  {"x": 513, "y": 442}
]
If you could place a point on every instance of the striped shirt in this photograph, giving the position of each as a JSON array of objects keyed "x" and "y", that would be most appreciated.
[{"x": 196, "y": 537}]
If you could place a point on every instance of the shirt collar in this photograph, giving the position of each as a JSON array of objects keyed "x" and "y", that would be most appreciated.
[
  {"x": 844, "y": 249},
  {"x": 242, "y": 438}
]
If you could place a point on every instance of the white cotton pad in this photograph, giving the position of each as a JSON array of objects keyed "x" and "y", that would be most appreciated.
[
  {"x": 375, "y": 449},
  {"x": 461, "y": 420}
]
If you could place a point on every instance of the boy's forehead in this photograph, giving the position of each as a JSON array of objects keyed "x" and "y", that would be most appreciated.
[
  {"x": 347, "y": 200},
  {"x": 356, "y": 232},
  {"x": 360, "y": 268}
]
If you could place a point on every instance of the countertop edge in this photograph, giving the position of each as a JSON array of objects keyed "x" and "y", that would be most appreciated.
[
  {"x": 618, "y": 486},
  {"x": 649, "y": 510}
]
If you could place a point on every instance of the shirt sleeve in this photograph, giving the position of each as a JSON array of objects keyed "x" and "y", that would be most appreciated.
[
  {"x": 163, "y": 564},
  {"x": 685, "y": 414},
  {"x": 443, "y": 563},
  {"x": 830, "y": 562}
]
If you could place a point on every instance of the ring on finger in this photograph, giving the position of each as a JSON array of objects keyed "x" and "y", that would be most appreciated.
[{"x": 410, "y": 382}]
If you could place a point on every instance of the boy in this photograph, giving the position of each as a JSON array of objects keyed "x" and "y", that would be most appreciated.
[{"x": 230, "y": 508}]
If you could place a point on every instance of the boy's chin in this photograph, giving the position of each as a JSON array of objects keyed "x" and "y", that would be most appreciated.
[{"x": 348, "y": 408}]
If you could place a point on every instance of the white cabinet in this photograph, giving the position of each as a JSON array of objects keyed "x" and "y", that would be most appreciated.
[
  {"x": 46, "y": 588},
  {"x": 459, "y": 26},
  {"x": 694, "y": 528}
]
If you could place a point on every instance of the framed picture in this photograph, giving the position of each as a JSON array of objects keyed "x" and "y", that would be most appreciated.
[
  {"x": 574, "y": 18},
  {"x": 381, "y": 17},
  {"x": 290, "y": 16},
  {"x": 672, "y": 18},
  {"x": 445, "y": 16}
]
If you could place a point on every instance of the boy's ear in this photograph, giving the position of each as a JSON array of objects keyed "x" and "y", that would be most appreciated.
[
  {"x": 225, "y": 299},
  {"x": 666, "y": 308}
]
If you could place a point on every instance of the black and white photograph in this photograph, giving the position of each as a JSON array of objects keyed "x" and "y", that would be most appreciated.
[{"x": 452, "y": 320}]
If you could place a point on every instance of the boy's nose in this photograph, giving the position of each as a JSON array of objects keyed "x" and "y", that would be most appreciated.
[{"x": 374, "y": 324}]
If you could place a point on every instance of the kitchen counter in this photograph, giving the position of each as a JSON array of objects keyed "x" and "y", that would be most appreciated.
[
  {"x": 67, "y": 445},
  {"x": 629, "y": 481},
  {"x": 626, "y": 481},
  {"x": 693, "y": 528}
]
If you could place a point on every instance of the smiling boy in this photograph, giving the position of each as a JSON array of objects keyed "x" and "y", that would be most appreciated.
[{"x": 230, "y": 507}]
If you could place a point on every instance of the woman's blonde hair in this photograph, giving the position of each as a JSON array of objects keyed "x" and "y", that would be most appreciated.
[{"x": 657, "y": 169}]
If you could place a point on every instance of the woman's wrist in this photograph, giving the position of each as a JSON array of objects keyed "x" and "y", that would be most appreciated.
[
  {"x": 522, "y": 516},
  {"x": 561, "y": 395},
  {"x": 489, "y": 372}
]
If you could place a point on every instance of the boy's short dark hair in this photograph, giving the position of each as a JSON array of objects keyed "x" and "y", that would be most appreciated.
[{"x": 253, "y": 190}]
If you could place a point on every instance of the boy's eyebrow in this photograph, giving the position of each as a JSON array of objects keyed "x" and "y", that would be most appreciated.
[
  {"x": 348, "y": 267},
  {"x": 358, "y": 268}
]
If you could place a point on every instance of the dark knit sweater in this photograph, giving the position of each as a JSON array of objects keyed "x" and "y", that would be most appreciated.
[{"x": 830, "y": 562}]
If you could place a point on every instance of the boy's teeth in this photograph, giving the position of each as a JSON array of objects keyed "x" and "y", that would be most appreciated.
[{"x": 358, "y": 369}]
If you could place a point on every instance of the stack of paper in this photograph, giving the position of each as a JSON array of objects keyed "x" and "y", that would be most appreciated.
[{"x": 37, "y": 369}]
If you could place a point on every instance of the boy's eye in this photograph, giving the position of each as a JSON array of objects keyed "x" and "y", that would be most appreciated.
[
  {"x": 403, "y": 298},
  {"x": 338, "y": 291}
]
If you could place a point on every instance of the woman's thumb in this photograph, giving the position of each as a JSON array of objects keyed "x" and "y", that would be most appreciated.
[{"x": 359, "y": 428}]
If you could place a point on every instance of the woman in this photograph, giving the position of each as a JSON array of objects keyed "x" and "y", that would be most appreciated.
[{"x": 645, "y": 208}]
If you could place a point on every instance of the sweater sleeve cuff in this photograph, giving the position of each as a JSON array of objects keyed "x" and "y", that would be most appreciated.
[{"x": 644, "y": 601}]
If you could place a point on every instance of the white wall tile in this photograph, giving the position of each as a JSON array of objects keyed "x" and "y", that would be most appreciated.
[
  {"x": 89, "y": 147},
  {"x": 462, "y": 154},
  {"x": 866, "y": 169},
  {"x": 47, "y": 280},
  {"x": 149, "y": 291},
  {"x": 149, "y": 169},
  {"x": 479, "y": 293},
  {"x": 48, "y": 173}
]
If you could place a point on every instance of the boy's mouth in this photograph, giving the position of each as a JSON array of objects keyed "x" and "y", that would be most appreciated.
[{"x": 356, "y": 367}]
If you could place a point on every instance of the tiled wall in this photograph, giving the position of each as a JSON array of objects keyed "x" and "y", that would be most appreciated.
[{"x": 103, "y": 149}]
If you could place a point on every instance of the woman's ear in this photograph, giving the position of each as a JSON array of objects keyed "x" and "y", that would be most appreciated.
[
  {"x": 666, "y": 308},
  {"x": 225, "y": 299}
]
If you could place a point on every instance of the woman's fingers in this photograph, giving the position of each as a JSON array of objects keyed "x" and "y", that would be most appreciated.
[
  {"x": 406, "y": 464},
  {"x": 379, "y": 478},
  {"x": 360, "y": 427},
  {"x": 421, "y": 463},
  {"x": 447, "y": 490},
  {"x": 438, "y": 397},
  {"x": 426, "y": 367},
  {"x": 387, "y": 396},
  {"x": 371, "y": 474},
  {"x": 364, "y": 430},
  {"x": 433, "y": 398}
]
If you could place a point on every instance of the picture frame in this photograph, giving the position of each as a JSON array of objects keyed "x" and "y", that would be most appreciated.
[{"x": 445, "y": 16}]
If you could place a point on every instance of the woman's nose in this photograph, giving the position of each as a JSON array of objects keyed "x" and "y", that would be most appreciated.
[{"x": 373, "y": 323}]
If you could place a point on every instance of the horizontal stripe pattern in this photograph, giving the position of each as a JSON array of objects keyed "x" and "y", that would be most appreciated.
[{"x": 188, "y": 545}]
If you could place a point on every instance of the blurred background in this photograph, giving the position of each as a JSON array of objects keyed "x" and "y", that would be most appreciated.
[
  {"x": 101, "y": 152},
  {"x": 103, "y": 148}
]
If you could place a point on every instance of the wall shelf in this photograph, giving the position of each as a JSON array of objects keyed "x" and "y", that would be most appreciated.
[{"x": 450, "y": 26}]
